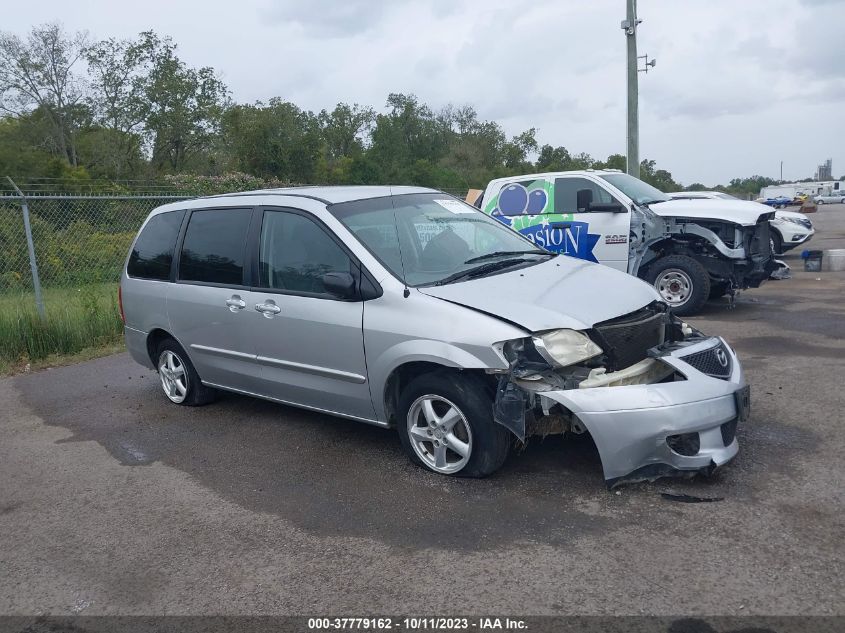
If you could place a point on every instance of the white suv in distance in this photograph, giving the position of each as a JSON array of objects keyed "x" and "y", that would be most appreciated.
[{"x": 789, "y": 228}]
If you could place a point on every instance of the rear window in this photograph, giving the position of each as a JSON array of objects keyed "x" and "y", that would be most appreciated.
[
  {"x": 153, "y": 251},
  {"x": 214, "y": 246}
]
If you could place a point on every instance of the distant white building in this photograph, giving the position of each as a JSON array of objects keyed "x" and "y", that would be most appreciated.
[{"x": 792, "y": 189}]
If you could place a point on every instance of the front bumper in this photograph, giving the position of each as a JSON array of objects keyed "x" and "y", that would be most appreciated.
[
  {"x": 793, "y": 238},
  {"x": 630, "y": 425}
]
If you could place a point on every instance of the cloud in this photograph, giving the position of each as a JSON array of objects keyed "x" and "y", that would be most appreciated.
[
  {"x": 736, "y": 84},
  {"x": 340, "y": 18}
]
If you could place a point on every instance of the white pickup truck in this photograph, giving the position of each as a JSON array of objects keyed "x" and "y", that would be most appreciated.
[{"x": 691, "y": 250}]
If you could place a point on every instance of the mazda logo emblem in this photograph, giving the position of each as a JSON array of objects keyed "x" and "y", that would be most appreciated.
[{"x": 722, "y": 357}]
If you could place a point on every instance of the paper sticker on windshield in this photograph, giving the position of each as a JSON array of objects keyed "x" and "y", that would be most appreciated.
[{"x": 454, "y": 206}]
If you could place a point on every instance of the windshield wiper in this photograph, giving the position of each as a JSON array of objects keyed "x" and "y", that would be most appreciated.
[
  {"x": 495, "y": 254},
  {"x": 654, "y": 201},
  {"x": 481, "y": 270}
]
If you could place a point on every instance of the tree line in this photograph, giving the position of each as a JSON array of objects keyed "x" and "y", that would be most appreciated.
[{"x": 79, "y": 110}]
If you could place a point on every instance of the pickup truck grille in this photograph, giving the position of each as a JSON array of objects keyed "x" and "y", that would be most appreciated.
[
  {"x": 627, "y": 339},
  {"x": 759, "y": 246}
]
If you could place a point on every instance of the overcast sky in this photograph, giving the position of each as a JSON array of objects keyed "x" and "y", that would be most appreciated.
[{"x": 739, "y": 84}]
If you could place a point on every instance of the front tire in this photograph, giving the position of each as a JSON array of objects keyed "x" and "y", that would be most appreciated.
[
  {"x": 445, "y": 424},
  {"x": 682, "y": 283},
  {"x": 179, "y": 380}
]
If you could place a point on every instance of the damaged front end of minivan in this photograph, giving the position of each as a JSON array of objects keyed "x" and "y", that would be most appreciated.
[{"x": 657, "y": 397}]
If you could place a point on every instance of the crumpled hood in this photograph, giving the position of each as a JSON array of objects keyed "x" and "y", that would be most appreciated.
[
  {"x": 741, "y": 212},
  {"x": 563, "y": 292}
]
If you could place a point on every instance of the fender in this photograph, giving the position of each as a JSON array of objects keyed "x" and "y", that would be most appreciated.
[{"x": 422, "y": 350}]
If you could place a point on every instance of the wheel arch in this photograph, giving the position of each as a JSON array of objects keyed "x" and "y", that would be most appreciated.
[
  {"x": 154, "y": 339},
  {"x": 670, "y": 246},
  {"x": 402, "y": 375}
]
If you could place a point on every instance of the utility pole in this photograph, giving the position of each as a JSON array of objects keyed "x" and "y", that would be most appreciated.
[{"x": 630, "y": 27}]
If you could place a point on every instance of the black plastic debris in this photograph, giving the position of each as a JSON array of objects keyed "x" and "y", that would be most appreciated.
[
  {"x": 680, "y": 498},
  {"x": 509, "y": 407}
]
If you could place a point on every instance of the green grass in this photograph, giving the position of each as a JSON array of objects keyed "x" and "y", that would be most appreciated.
[{"x": 79, "y": 319}]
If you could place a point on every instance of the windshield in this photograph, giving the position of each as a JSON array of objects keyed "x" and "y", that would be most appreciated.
[
  {"x": 724, "y": 196},
  {"x": 637, "y": 190},
  {"x": 428, "y": 238}
]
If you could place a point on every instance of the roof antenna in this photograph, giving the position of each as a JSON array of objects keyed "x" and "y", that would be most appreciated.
[{"x": 407, "y": 292}]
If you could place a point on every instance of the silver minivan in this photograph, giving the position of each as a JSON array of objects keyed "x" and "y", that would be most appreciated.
[{"x": 405, "y": 307}]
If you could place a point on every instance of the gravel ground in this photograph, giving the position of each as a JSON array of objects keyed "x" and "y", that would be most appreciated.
[{"x": 113, "y": 501}]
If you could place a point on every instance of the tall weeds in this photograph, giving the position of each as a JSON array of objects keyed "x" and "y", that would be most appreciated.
[{"x": 77, "y": 318}]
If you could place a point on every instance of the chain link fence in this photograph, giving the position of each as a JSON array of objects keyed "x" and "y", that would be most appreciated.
[{"x": 76, "y": 239}]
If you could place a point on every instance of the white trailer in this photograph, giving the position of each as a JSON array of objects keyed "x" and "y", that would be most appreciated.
[{"x": 790, "y": 190}]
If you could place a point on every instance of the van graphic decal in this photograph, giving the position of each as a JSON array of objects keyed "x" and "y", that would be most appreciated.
[
  {"x": 526, "y": 206},
  {"x": 567, "y": 238}
]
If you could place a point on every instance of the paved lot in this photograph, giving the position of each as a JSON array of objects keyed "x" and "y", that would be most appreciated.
[{"x": 114, "y": 501}]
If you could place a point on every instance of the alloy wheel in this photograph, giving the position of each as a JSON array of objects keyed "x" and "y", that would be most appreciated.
[
  {"x": 174, "y": 377},
  {"x": 440, "y": 434}
]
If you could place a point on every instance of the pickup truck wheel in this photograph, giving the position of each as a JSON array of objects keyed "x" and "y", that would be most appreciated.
[
  {"x": 681, "y": 282},
  {"x": 445, "y": 424}
]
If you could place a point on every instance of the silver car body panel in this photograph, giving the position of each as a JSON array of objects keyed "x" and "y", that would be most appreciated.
[
  {"x": 630, "y": 424},
  {"x": 563, "y": 292},
  {"x": 219, "y": 341},
  {"x": 338, "y": 357}
]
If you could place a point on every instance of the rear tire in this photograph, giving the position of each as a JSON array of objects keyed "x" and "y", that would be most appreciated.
[
  {"x": 179, "y": 380},
  {"x": 445, "y": 423},
  {"x": 682, "y": 283}
]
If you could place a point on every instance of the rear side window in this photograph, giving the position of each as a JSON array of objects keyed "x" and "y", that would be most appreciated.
[
  {"x": 214, "y": 246},
  {"x": 153, "y": 251}
]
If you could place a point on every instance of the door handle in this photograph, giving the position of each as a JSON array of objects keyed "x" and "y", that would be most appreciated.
[
  {"x": 235, "y": 303},
  {"x": 268, "y": 309}
]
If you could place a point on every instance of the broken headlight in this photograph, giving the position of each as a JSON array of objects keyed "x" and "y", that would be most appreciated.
[{"x": 561, "y": 348}]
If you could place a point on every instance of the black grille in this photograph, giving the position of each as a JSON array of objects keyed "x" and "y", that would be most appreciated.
[
  {"x": 728, "y": 432},
  {"x": 715, "y": 362},
  {"x": 759, "y": 245},
  {"x": 626, "y": 340}
]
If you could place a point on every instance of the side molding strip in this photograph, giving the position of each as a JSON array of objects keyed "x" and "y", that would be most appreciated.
[
  {"x": 222, "y": 352},
  {"x": 313, "y": 369}
]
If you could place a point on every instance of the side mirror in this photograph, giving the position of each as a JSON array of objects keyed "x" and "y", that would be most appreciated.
[
  {"x": 583, "y": 199},
  {"x": 341, "y": 285}
]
